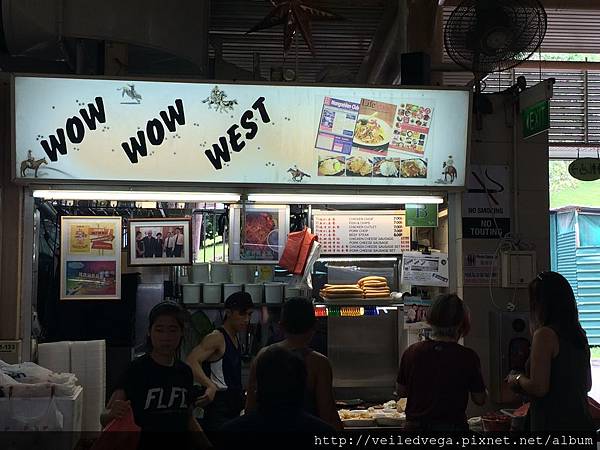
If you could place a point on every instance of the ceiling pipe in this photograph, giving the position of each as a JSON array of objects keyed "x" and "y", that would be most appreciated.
[
  {"x": 36, "y": 28},
  {"x": 382, "y": 62}
]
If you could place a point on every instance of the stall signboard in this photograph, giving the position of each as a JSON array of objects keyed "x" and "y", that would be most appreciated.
[
  {"x": 90, "y": 258},
  {"x": 486, "y": 204},
  {"x": 425, "y": 215},
  {"x": 361, "y": 232},
  {"x": 105, "y": 130},
  {"x": 421, "y": 269}
]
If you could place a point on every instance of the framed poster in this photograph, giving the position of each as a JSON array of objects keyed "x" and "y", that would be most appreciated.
[
  {"x": 160, "y": 242},
  {"x": 90, "y": 258},
  {"x": 258, "y": 233}
]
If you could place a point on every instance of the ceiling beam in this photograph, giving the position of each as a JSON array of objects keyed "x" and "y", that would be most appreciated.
[{"x": 553, "y": 4}]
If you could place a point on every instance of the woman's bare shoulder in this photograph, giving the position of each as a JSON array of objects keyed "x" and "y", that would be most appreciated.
[
  {"x": 545, "y": 333},
  {"x": 318, "y": 359}
]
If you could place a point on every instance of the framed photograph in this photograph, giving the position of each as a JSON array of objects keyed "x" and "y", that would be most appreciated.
[
  {"x": 258, "y": 233},
  {"x": 160, "y": 242},
  {"x": 90, "y": 258}
]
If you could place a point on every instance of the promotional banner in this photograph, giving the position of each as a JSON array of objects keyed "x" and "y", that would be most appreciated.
[{"x": 109, "y": 130}]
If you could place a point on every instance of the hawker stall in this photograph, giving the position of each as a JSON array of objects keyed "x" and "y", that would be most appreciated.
[{"x": 196, "y": 186}]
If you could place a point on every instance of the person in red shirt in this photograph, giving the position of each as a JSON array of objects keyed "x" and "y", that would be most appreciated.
[{"x": 437, "y": 375}]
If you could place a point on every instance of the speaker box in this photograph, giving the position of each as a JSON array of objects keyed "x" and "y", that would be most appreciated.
[
  {"x": 510, "y": 343},
  {"x": 415, "y": 69}
]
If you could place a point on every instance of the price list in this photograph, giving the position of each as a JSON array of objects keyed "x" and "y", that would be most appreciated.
[{"x": 362, "y": 234}]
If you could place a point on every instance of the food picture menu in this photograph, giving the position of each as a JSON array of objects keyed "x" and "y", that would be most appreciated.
[
  {"x": 412, "y": 128},
  {"x": 362, "y": 233},
  {"x": 374, "y": 126},
  {"x": 373, "y": 139},
  {"x": 336, "y": 128}
]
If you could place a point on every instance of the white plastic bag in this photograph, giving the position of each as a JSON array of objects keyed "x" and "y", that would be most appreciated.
[
  {"x": 32, "y": 414},
  {"x": 35, "y": 381}
]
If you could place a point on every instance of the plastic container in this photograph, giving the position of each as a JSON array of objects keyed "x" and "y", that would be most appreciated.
[
  {"x": 291, "y": 292},
  {"x": 239, "y": 273},
  {"x": 273, "y": 293},
  {"x": 199, "y": 273},
  {"x": 496, "y": 422},
  {"x": 219, "y": 272},
  {"x": 231, "y": 288},
  {"x": 191, "y": 293},
  {"x": 212, "y": 293},
  {"x": 256, "y": 291}
]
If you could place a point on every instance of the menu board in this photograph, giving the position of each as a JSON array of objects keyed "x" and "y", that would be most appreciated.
[
  {"x": 362, "y": 233},
  {"x": 385, "y": 141}
]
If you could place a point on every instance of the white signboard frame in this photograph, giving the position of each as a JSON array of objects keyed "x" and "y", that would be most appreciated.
[{"x": 133, "y": 131}]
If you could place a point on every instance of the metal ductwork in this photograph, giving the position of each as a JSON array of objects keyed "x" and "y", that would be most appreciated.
[
  {"x": 37, "y": 28},
  {"x": 382, "y": 63}
]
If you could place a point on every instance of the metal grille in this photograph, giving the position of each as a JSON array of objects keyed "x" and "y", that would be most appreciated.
[
  {"x": 339, "y": 44},
  {"x": 574, "y": 109},
  {"x": 567, "y": 258},
  {"x": 588, "y": 291}
]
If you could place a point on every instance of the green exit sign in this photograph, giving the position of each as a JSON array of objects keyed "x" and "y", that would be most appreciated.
[{"x": 536, "y": 118}]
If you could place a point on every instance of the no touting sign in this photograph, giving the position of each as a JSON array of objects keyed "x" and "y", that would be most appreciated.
[{"x": 486, "y": 204}]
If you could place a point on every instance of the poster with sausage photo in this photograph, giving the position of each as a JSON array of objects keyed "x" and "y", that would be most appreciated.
[
  {"x": 92, "y": 238},
  {"x": 90, "y": 258},
  {"x": 259, "y": 233}
]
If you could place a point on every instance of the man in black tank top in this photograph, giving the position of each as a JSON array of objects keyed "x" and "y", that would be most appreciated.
[{"x": 217, "y": 364}]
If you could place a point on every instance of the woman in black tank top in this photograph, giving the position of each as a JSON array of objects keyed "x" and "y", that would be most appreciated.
[{"x": 559, "y": 374}]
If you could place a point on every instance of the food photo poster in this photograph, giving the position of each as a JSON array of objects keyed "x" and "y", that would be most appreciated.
[
  {"x": 90, "y": 258},
  {"x": 258, "y": 233}
]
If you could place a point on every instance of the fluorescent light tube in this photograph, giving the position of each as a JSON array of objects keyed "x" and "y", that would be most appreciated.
[
  {"x": 359, "y": 199},
  {"x": 59, "y": 194}
]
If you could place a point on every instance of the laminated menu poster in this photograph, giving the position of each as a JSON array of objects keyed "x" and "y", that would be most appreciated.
[
  {"x": 336, "y": 128},
  {"x": 411, "y": 130},
  {"x": 373, "y": 129},
  {"x": 362, "y": 233},
  {"x": 375, "y": 139},
  {"x": 425, "y": 270}
]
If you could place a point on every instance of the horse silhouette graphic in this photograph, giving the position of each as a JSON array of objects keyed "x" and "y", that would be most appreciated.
[{"x": 129, "y": 91}]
